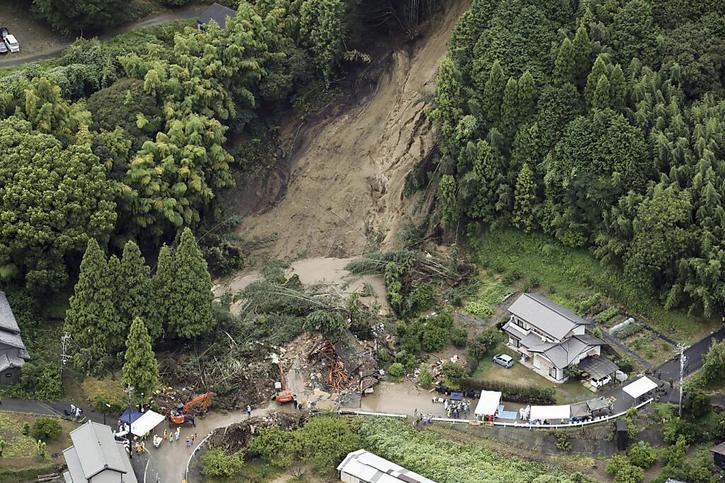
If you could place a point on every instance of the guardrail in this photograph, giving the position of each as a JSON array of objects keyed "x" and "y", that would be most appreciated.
[{"x": 502, "y": 423}]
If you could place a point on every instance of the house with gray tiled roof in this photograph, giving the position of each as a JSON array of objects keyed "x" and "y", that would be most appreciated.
[
  {"x": 96, "y": 457},
  {"x": 13, "y": 353},
  {"x": 549, "y": 337}
]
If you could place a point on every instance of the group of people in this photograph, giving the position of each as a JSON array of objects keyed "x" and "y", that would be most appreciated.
[
  {"x": 75, "y": 412},
  {"x": 524, "y": 413},
  {"x": 454, "y": 409},
  {"x": 174, "y": 436}
]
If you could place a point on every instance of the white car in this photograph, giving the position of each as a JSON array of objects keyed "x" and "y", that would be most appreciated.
[
  {"x": 504, "y": 360},
  {"x": 12, "y": 43}
]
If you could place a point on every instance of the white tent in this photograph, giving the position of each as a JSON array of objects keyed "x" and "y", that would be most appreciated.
[
  {"x": 550, "y": 412},
  {"x": 639, "y": 387},
  {"x": 146, "y": 423},
  {"x": 488, "y": 403}
]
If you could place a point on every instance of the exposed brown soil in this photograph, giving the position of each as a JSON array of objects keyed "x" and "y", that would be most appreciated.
[{"x": 346, "y": 178}]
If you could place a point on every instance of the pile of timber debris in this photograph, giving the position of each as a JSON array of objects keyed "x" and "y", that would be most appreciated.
[{"x": 236, "y": 436}]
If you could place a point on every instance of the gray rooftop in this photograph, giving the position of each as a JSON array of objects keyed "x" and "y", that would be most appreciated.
[
  {"x": 598, "y": 367},
  {"x": 12, "y": 339},
  {"x": 7, "y": 319},
  {"x": 9, "y": 361},
  {"x": 545, "y": 315},
  {"x": 218, "y": 13},
  {"x": 94, "y": 451}
]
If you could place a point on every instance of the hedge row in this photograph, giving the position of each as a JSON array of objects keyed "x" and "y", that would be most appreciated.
[{"x": 510, "y": 392}]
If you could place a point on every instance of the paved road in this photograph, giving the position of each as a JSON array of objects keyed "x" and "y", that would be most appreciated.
[
  {"x": 670, "y": 370},
  {"x": 184, "y": 13}
]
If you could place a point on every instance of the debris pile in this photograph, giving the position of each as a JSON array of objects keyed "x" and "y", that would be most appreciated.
[
  {"x": 335, "y": 375},
  {"x": 236, "y": 436},
  {"x": 436, "y": 369}
]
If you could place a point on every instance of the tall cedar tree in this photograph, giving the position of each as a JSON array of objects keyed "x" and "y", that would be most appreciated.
[
  {"x": 191, "y": 296},
  {"x": 493, "y": 94},
  {"x": 91, "y": 319},
  {"x": 601, "y": 99},
  {"x": 140, "y": 368},
  {"x": 449, "y": 211},
  {"x": 162, "y": 287},
  {"x": 582, "y": 53},
  {"x": 598, "y": 69},
  {"x": 134, "y": 289},
  {"x": 525, "y": 199},
  {"x": 565, "y": 67},
  {"x": 510, "y": 108}
]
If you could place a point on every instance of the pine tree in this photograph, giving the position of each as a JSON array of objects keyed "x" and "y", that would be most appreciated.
[
  {"x": 140, "y": 369},
  {"x": 601, "y": 99},
  {"x": 449, "y": 204},
  {"x": 527, "y": 96},
  {"x": 582, "y": 52},
  {"x": 510, "y": 108},
  {"x": 493, "y": 94},
  {"x": 565, "y": 66},
  {"x": 525, "y": 199},
  {"x": 134, "y": 288},
  {"x": 598, "y": 69},
  {"x": 91, "y": 318},
  {"x": 162, "y": 288},
  {"x": 191, "y": 310},
  {"x": 618, "y": 88}
]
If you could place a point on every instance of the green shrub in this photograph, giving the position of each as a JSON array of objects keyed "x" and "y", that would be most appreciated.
[
  {"x": 606, "y": 315},
  {"x": 422, "y": 298},
  {"x": 396, "y": 370},
  {"x": 622, "y": 471},
  {"x": 479, "y": 309},
  {"x": 630, "y": 330},
  {"x": 713, "y": 366},
  {"x": 46, "y": 429},
  {"x": 697, "y": 404},
  {"x": 642, "y": 454},
  {"x": 41, "y": 380},
  {"x": 483, "y": 343},
  {"x": 425, "y": 379},
  {"x": 453, "y": 373},
  {"x": 216, "y": 463},
  {"x": 276, "y": 445},
  {"x": 562, "y": 442},
  {"x": 459, "y": 337}
]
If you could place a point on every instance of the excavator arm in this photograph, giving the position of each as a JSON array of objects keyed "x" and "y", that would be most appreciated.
[{"x": 203, "y": 399}]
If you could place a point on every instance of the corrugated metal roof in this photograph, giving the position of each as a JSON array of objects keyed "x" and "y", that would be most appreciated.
[
  {"x": 369, "y": 467},
  {"x": 12, "y": 339},
  {"x": 7, "y": 319},
  {"x": 598, "y": 367},
  {"x": 545, "y": 315}
]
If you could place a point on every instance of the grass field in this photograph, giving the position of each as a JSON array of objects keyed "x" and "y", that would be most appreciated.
[
  {"x": 570, "y": 275},
  {"x": 20, "y": 452}
]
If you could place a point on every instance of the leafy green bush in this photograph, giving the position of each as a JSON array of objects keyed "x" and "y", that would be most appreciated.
[
  {"x": 216, "y": 463},
  {"x": 407, "y": 359},
  {"x": 479, "y": 309},
  {"x": 697, "y": 404},
  {"x": 642, "y": 454},
  {"x": 459, "y": 337},
  {"x": 46, "y": 429},
  {"x": 453, "y": 373},
  {"x": 422, "y": 298},
  {"x": 606, "y": 315},
  {"x": 425, "y": 379},
  {"x": 713, "y": 366},
  {"x": 41, "y": 380},
  {"x": 562, "y": 442},
  {"x": 622, "y": 471},
  {"x": 483, "y": 343},
  {"x": 396, "y": 370},
  {"x": 328, "y": 324},
  {"x": 276, "y": 445}
]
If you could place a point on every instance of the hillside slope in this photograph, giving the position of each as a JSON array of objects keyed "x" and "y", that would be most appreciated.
[{"x": 346, "y": 178}]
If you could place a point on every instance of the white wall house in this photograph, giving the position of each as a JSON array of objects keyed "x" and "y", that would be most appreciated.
[{"x": 549, "y": 337}]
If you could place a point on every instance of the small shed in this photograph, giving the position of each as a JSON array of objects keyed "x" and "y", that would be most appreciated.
[
  {"x": 216, "y": 12},
  {"x": 640, "y": 387},
  {"x": 718, "y": 455},
  {"x": 599, "y": 369},
  {"x": 487, "y": 404}
]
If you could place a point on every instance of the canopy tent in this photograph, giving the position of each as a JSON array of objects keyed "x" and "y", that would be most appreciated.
[
  {"x": 550, "y": 412},
  {"x": 130, "y": 416},
  {"x": 639, "y": 387},
  {"x": 599, "y": 404},
  {"x": 580, "y": 410},
  {"x": 488, "y": 403},
  {"x": 146, "y": 423}
]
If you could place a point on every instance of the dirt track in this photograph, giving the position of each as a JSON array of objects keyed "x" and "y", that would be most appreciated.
[{"x": 346, "y": 180}]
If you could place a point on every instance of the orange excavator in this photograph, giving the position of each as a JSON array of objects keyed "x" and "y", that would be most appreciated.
[
  {"x": 282, "y": 394},
  {"x": 180, "y": 415}
]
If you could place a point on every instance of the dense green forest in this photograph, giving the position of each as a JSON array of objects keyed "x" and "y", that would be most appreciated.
[
  {"x": 128, "y": 140},
  {"x": 599, "y": 122}
]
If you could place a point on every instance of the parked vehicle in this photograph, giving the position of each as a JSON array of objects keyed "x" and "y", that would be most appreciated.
[
  {"x": 9, "y": 40},
  {"x": 3, "y": 48},
  {"x": 12, "y": 43},
  {"x": 504, "y": 360}
]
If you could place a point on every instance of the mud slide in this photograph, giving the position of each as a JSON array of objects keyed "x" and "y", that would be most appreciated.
[{"x": 346, "y": 180}]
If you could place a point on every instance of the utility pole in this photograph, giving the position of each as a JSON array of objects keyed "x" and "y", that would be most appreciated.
[
  {"x": 129, "y": 390},
  {"x": 683, "y": 358},
  {"x": 64, "y": 343}
]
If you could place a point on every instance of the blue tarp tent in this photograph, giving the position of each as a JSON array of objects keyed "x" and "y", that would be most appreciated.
[
  {"x": 456, "y": 396},
  {"x": 129, "y": 416}
]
